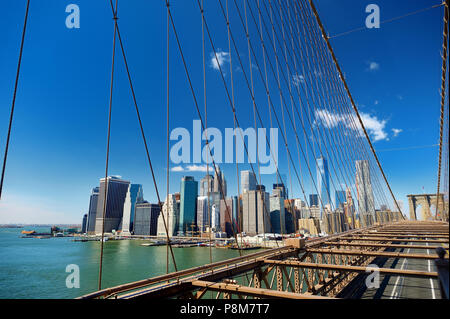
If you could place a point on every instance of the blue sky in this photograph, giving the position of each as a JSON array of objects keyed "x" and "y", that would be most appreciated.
[{"x": 58, "y": 144}]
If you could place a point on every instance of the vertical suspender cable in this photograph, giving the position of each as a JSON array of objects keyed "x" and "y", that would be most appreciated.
[
  {"x": 168, "y": 134},
  {"x": 14, "y": 98},
  {"x": 105, "y": 194}
]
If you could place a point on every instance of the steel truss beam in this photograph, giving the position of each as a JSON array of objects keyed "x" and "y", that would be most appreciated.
[
  {"x": 372, "y": 254},
  {"x": 386, "y": 271},
  {"x": 251, "y": 291}
]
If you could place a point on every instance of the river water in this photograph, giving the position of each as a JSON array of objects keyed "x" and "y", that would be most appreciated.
[{"x": 36, "y": 268}]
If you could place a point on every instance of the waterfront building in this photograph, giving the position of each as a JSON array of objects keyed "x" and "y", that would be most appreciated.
[
  {"x": 349, "y": 209},
  {"x": 171, "y": 211},
  {"x": 314, "y": 200},
  {"x": 84, "y": 224},
  {"x": 282, "y": 189},
  {"x": 226, "y": 216},
  {"x": 255, "y": 212},
  {"x": 146, "y": 219},
  {"x": 309, "y": 226},
  {"x": 299, "y": 204},
  {"x": 248, "y": 181},
  {"x": 206, "y": 185},
  {"x": 134, "y": 195},
  {"x": 115, "y": 198},
  {"x": 366, "y": 204},
  {"x": 220, "y": 184},
  {"x": 236, "y": 214},
  {"x": 340, "y": 199},
  {"x": 92, "y": 213},
  {"x": 203, "y": 216},
  {"x": 188, "y": 205},
  {"x": 215, "y": 218},
  {"x": 310, "y": 212},
  {"x": 290, "y": 220},
  {"x": 277, "y": 212},
  {"x": 323, "y": 183}
]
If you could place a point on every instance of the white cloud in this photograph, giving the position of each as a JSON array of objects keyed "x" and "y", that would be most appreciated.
[
  {"x": 192, "y": 168},
  {"x": 374, "y": 66},
  {"x": 222, "y": 56},
  {"x": 396, "y": 131},
  {"x": 376, "y": 102},
  {"x": 374, "y": 126}
]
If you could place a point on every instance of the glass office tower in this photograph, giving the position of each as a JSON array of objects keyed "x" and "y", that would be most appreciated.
[
  {"x": 188, "y": 205},
  {"x": 323, "y": 183},
  {"x": 116, "y": 192}
]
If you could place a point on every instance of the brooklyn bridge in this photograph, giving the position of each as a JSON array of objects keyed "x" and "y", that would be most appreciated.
[{"x": 275, "y": 66}]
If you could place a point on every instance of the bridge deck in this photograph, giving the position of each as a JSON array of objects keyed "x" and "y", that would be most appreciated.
[{"x": 333, "y": 266}]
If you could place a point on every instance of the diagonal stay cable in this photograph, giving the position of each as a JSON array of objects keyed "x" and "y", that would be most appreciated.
[
  {"x": 341, "y": 75},
  {"x": 13, "y": 104}
]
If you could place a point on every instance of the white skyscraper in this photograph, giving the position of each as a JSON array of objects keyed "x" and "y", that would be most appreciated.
[
  {"x": 366, "y": 203},
  {"x": 248, "y": 181},
  {"x": 134, "y": 195},
  {"x": 215, "y": 218},
  {"x": 171, "y": 215}
]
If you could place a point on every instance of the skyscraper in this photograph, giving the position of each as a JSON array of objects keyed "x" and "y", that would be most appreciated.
[
  {"x": 314, "y": 200},
  {"x": 366, "y": 204},
  {"x": 171, "y": 212},
  {"x": 215, "y": 218},
  {"x": 188, "y": 204},
  {"x": 255, "y": 212},
  {"x": 340, "y": 199},
  {"x": 92, "y": 213},
  {"x": 202, "y": 213},
  {"x": 248, "y": 181},
  {"x": 146, "y": 219},
  {"x": 226, "y": 216},
  {"x": 282, "y": 188},
  {"x": 219, "y": 179},
  {"x": 206, "y": 185},
  {"x": 115, "y": 199},
  {"x": 323, "y": 183},
  {"x": 277, "y": 212},
  {"x": 84, "y": 224},
  {"x": 134, "y": 195}
]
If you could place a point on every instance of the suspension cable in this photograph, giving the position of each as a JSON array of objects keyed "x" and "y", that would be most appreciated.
[
  {"x": 13, "y": 104},
  {"x": 106, "y": 182},
  {"x": 443, "y": 95}
]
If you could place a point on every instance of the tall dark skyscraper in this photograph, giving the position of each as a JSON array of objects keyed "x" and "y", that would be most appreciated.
[
  {"x": 84, "y": 224},
  {"x": 146, "y": 219},
  {"x": 116, "y": 193},
  {"x": 92, "y": 213},
  {"x": 323, "y": 183},
  {"x": 314, "y": 200},
  {"x": 188, "y": 204}
]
